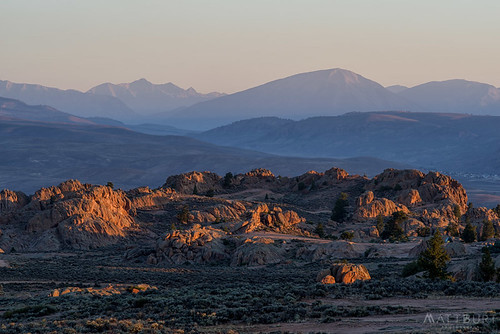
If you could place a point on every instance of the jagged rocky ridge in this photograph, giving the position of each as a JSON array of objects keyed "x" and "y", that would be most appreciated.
[{"x": 247, "y": 219}]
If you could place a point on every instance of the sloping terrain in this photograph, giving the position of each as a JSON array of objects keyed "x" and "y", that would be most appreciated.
[
  {"x": 451, "y": 142},
  {"x": 36, "y": 154},
  {"x": 320, "y": 93},
  {"x": 11, "y": 109}
]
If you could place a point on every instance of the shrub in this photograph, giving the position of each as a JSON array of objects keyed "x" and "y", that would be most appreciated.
[
  {"x": 347, "y": 235},
  {"x": 320, "y": 231},
  {"x": 411, "y": 269},
  {"x": 423, "y": 231}
]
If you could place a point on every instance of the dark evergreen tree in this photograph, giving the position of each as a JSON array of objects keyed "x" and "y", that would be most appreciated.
[
  {"x": 488, "y": 230},
  {"x": 339, "y": 212},
  {"x": 183, "y": 215},
  {"x": 434, "y": 259},
  {"x": 320, "y": 230},
  {"x": 456, "y": 212},
  {"x": 393, "y": 230},
  {"x": 380, "y": 224},
  {"x": 228, "y": 180},
  {"x": 469, "y": 234},
  {"x": 195, "y": 190},
  {"x": 486, "y": 267},
  {"x": 497, "y": 210},
  {"x": 452, "y": 229}
]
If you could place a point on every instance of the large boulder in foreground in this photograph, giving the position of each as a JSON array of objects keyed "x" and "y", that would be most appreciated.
[{"x": 343, "y": 273}]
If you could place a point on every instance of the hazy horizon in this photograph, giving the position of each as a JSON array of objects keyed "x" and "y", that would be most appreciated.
[{"x": 229, "y": 47}]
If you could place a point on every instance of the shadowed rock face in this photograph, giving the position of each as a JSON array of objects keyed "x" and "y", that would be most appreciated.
[{"x": 12, "y": 200}]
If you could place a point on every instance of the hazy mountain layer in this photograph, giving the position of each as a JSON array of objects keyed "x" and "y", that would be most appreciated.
[
  {"x": 326, "y": 92},
  {"x": 453, "y": 142},
  {"x": 458, "y": 96},
  {"x": 146, "y": 98},
  {"x": 13, "y": 109},
  {"x": 36, "y": 154},
  {"x": 70, "y": 101}
]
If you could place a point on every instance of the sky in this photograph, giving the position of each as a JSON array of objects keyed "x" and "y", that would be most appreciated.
[{"x": 232, "y": 45}]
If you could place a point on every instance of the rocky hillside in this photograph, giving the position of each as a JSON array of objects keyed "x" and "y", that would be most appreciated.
[{"x": 245, "y": 219}]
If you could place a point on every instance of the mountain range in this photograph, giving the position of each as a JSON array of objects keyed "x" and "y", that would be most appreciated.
[
  {"x": 133, "y": 102},
  {"x": 320, "y": 93},
  {"x": 146, "y": 98},
  {"x": 326, "y": 92},
  {"x": 41, "y": 146},
  {"x": 442, "y": 141}
]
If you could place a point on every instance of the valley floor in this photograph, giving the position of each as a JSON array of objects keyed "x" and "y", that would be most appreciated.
[{"x": 98, "y": 292}]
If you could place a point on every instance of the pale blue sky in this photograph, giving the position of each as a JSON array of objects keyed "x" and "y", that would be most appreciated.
[{"x": 233, "y": 45}]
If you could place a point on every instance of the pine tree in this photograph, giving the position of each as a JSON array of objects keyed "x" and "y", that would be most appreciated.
[
  {"x": 183, "y": 215},
  {"x": 195, "y": 190},
  {"x": 228, "y": 179},
  {"x": 339, "y": 211},
  {"x": 488, "y": 230},
  {"x": 452, "y": 229},
  {"x": 456, "y": 212},
  {"x": 393, "y": 230},
  {"x": 380, "y": 224},
  {"x": 497, "y": 210},
  {"x": 320, "y": 231},
  {"x": 486, "y": 267},
  {"x": 469, "y": 234},
  {"x": 435, "y": 259}
]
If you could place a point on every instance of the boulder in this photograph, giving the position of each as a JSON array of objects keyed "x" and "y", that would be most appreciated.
[{"x": 346, "y": 273}]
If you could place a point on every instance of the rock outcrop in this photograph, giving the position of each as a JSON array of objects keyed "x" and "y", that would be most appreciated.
[
  {"x": 264, "y": 218},
  {"x": 12, "y": 200},
  {"x": 71, "y": 215},
  {"x": 110, "y": 289},
  {"x": 257, "y": 252},
  {"x": 376, "y": 207},
  {"x": 195, "y": 245},
  {"x": 144, "y": 198},
  {"x": 186, "y": 183},
  {"x": 346, "y": 273}
]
